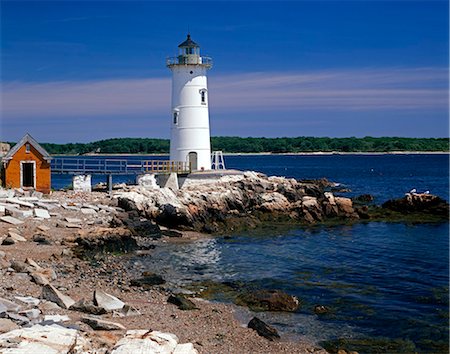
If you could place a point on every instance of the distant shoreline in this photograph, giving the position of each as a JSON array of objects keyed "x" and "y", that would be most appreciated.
[{"x": 315, "y": 153}]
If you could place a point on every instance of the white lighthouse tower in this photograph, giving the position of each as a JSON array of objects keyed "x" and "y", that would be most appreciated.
[{"x": 190, "y": 138}]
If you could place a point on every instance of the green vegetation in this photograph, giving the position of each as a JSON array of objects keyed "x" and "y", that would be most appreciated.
[{"x": 232, "y": 144}]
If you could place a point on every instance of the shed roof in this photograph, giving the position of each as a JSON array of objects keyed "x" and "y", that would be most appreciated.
[
  {"x": 188, "y": 43},
  {"x": 27, "y": 139}
]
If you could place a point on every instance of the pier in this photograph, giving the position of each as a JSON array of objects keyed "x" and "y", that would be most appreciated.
[{"x": 110, "y": 167}]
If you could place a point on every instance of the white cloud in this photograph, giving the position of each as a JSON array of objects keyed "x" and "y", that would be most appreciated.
[{"x": 344, "y": 90}]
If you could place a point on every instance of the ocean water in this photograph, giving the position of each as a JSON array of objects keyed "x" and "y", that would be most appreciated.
[{"x": 381, "y": 280}]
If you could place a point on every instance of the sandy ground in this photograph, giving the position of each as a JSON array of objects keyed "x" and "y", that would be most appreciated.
[{"x": 212, "y": 328}]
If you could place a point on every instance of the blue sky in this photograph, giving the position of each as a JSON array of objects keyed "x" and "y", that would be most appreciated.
[{"x": 83, "y": 71}]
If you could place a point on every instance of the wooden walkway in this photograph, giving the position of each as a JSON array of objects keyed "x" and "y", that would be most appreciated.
[{"x": 116, "y": 167}]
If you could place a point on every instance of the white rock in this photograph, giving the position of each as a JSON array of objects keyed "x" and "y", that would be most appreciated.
[
  {"x": 37, "y": 194},
  {"x": 147, "y": 181},
  {"x": 88, "y": 211},
  {"x": 142, "y": 341},
  {"x": 41, "y": 213},
  {"x": 19, "y": 202},
  {"x": 82, "y": 183},
  {"x": 39, "y": 339},
  {"x": 44, "y": 228},
  {"x": 8, "y": 306},
  {"x": 29, "y": 300},
  {"x": 16, "y": 237},
  {"x": 31, "y": 314},
  {"x": 107, "y": 301},
  {"x": 18, "y": 213},
  {"x": 330, "y": 198},
  {"x": 73, "y": 226},
  {"x": 186, "y": 348},
  {"x": 73, "y": 220},
  {"x": 2, "y": 210},
  {"x": 90, "y": 206},
  {"x": 310, "y": 202}
]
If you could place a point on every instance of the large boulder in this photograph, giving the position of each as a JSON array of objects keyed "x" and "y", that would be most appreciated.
[
  {"x": 144, "y": 341},
  {"x": 43, "y": 339}
]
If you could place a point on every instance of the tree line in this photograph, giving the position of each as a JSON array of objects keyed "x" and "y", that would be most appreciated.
[{"x": 230, "y": 144}]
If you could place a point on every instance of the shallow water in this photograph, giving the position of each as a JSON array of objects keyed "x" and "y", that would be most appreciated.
[{"x": 380, "y": 279}]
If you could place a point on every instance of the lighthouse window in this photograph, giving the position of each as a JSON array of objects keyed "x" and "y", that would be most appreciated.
[
  {"x": 203, "y": 96},
  {"x": 175, "y": 117}
]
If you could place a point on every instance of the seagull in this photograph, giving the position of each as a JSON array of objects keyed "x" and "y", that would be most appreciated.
[
  {"x": 413, "y": 190},
  {"x": 426, "y": 192}
]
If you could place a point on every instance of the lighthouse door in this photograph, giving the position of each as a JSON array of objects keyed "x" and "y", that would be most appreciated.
[{"x": 192, "y": 157}]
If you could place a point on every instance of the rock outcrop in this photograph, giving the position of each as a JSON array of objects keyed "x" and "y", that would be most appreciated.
[
  {"x": 234, "y": 200},
  {"x": 419, "y": 202}
]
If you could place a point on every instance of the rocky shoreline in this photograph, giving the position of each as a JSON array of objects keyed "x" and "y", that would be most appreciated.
[{"x": 60, "y": 252}]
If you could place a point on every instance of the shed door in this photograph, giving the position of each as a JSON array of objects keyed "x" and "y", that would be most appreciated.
[
  {"x": 28, "y": 174},
  {"x": 193, "y": 160}
]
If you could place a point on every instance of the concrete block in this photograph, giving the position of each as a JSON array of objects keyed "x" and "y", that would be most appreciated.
[{"x": 82, "y": 183}]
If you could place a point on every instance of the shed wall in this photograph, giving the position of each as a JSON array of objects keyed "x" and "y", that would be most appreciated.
[{"x": 43, "y": 171}]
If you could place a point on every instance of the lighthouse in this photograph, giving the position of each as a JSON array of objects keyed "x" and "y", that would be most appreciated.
[{"x": 190, "y": 137}]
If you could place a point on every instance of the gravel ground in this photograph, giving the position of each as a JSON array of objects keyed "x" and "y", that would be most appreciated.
[{"x": 212, "y": 328}]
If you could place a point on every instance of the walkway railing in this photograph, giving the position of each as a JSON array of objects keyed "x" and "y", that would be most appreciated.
[{"x": 116, "y": 167}]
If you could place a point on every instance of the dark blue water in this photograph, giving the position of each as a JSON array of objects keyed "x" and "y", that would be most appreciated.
[{"x": 380, "y": 279}]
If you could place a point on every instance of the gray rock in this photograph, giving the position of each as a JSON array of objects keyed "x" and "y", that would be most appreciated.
[
  {"x": 99, "y": 324},
  {"x": 8, "y": 241},
  {"x": 49, "y": 292},
  {"x": 263, "y": 329},
  {"x": 182, "y": 302},
  {"x": 87, "y": 307},
  {"x": 107, "y": 301},
  {"x": 56, "y": 318},
  {"x": 21, "y": 267},
  {"x": 41, "y": 239}
]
